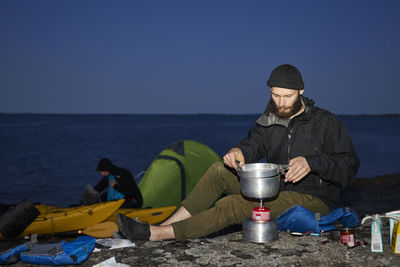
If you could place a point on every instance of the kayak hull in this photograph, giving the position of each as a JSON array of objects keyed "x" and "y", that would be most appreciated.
[
  {"x": 148, "y": 215},
  {"x": 53, "y": 219},
  {"x": 57, "y": 220}
]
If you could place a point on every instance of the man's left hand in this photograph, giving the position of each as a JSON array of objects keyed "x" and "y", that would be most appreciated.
[
  {"x": 112, "y": 183},
  {"x": 299, "y": 168}
]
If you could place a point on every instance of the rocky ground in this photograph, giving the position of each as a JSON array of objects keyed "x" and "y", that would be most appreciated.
[
  {"x": 231, "y": 250},
  {"x": 369, "y": 196}
]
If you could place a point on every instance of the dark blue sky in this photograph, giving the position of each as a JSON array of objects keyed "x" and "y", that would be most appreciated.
[{"x": 195, "y": 56}]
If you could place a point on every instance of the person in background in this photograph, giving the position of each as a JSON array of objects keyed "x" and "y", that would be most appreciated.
[
  {"x": 291, "y": 131},
  {"x": 119, "y": 183}
]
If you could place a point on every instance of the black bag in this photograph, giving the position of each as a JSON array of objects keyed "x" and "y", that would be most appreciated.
[{"x": 14, "y": 221}]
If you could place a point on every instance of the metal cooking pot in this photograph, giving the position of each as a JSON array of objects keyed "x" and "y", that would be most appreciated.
[
  {"x": 260, "y": 232},
  {"x": 260, "y": 180}
]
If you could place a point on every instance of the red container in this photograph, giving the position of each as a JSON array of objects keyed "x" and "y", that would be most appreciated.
[
  {"x": 347, "y": 236},
  {"x": 260, "y": 214}
]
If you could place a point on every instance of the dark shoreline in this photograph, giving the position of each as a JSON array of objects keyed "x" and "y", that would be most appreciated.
[{"x": 373, "y": 195}]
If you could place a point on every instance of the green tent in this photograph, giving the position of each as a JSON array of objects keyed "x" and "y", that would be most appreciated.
[{"x": 174, "y": 173}]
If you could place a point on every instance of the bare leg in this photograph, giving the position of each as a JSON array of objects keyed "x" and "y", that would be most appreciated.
[
  {"x": 179, "y": 215},
  {"x": 159, "y": 233}
]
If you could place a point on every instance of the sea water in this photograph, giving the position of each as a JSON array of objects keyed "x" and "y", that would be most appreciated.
[{"x": 50, "y": 158}]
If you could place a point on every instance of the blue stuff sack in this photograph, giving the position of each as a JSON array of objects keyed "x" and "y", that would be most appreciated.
[
  {"x": 62, "y": 253},
  {"x": 300, "y": 219},
  {"x": 79, "y": 249},
  {"x": 347, "y": 216},
  {"x": 11, "y": 255}
]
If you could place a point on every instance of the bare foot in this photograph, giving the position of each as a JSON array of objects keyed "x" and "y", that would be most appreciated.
[
  {"x": 159, "y": 233},
  {"x": 179, "y": 215}
]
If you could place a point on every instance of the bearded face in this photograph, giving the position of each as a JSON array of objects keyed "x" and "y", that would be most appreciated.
[{"x": 286, "y": 102}]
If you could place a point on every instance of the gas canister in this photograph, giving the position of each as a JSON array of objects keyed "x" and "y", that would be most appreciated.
[{"x": 261, "y": 214}]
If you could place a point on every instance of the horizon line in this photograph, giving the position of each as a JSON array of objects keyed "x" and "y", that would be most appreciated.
[{"x": 180, "y": 114}]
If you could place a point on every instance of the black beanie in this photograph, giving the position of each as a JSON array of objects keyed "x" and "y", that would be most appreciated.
[
  {"x": 105, "y": 165},
  {"x": 286, "y": 76}
]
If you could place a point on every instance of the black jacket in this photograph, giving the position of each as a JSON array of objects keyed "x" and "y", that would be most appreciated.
[
  {"x": 316, "y": 134},
  {"x": 126, "y": 184}
]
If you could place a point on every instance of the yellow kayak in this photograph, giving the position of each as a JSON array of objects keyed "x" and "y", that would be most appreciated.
[
  {"x": 150, "y": 215},
  {"x": 58, "y": 220}
]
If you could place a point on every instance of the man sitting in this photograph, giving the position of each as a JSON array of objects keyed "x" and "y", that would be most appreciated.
[{"x": 292, "y": 130}]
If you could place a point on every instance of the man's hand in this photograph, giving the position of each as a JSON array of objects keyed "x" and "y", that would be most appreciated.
[
  {"x": 299, "y": 168},
  {"x": 112, "y": 183},
  {"x": 234, "y": 155}
]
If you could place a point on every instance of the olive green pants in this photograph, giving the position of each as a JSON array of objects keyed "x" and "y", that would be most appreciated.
[{"x": 233, "y": 208}]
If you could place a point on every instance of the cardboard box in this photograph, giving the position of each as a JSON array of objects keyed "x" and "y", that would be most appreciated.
[
  {"x": 396, "y": 237},
  {"x": 391, "y": 222},
  {"x": 376, "y": 235}
]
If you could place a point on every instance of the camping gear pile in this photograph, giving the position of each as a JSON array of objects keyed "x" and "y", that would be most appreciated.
[{"x": 261, "y": 181}]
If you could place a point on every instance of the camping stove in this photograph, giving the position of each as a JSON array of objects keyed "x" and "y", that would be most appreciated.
[
  {"x": 260, "y": 228},
  {"x": 260, "y": 181}
]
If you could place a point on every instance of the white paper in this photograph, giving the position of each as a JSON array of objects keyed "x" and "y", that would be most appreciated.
[
  {"x": 111, "y": 262},
  {"x": 114, "y": 243}
]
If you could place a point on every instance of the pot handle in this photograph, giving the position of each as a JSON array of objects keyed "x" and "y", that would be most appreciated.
[
  {"x": 283, "y": 168},
  {"x": 238, "y": 166}
]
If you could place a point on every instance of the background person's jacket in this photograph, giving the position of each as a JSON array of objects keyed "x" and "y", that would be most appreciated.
[
  {"x": 126, "y": 184},
  {"x": 316, "y": 134}
]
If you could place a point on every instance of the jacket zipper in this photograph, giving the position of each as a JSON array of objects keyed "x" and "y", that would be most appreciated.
[{"x": 290, "y": 130}]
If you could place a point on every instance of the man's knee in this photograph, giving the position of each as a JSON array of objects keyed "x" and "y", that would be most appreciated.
[
  {"x": 217, "y": 167},
  {"x": 216, "y": 171}
]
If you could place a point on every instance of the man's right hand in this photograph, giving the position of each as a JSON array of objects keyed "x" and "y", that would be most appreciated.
[{"x": 234, "y": 155}]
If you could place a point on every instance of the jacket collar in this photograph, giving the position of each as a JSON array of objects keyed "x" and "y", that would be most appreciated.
[{"x": 269, "y": 118}]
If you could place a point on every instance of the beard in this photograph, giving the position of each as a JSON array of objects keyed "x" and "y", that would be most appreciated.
[{"x": 287, "y": 112}]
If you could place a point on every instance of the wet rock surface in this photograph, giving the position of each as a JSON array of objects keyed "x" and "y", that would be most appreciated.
[
  {"x": 370, "y": 196},
  {"x": 232, "y": 250}
]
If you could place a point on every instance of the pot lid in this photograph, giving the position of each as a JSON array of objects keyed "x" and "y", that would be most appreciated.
[{"x": 258, "y": 170}]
